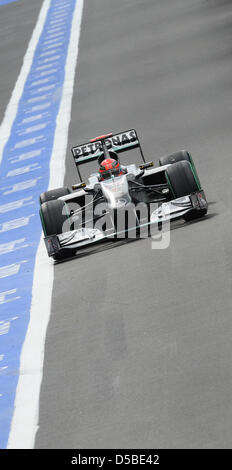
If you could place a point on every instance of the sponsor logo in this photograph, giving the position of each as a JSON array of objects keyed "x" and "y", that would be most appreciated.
[{"x": 117, "y": 142}]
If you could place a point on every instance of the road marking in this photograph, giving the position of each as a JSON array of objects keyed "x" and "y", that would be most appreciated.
[
  {"x": 22, "y": 170},
  {"x": 9, "y": 247},
  {"x": 22, "y": 186},
  {"x": 25, "y": 156},
  {"x": 4, "y": 296},
  {"x": 15, "y": 223},
  {"x": 16, "y": 269},
  {"x": 31, "y": 360},
  {"x": 5, "y": 2},
  {"x": 11, "y": 110},
  {"x": 12, "y": 206},
  {"x": 10, "y": 270}
]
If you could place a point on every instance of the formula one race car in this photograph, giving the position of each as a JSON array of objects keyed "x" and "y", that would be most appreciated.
[{"x": 119, "y": 200}]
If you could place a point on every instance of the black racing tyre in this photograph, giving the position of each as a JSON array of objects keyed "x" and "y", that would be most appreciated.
[
  {"x": 182, "y": 182},
  {"x": 175, "y": 157},
  {"x": 53, "y": 194},
  {"x": 182, "y": 155},
  {"x": 53, "y": 215},
  {"x": 181, "y": 179}
]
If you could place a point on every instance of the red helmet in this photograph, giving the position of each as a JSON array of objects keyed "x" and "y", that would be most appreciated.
[{"x": 110, "y": 167}]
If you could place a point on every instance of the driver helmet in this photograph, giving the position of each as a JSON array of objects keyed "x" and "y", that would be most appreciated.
[{"x": 110, "y": 167}]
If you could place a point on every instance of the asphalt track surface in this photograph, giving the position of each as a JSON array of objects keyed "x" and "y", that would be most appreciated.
[
  {"x": 17, "y": 21},
  {"x": 138, "y": 351},
  {"x": 139, "y": 348}
]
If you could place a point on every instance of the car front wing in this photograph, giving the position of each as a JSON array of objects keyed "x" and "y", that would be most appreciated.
[{"x": 79, "y": 238}]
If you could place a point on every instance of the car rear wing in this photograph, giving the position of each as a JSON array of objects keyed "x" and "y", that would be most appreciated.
[{"x": 120, "y": 142}]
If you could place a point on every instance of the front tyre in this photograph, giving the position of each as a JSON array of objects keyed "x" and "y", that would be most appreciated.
[
  {"x": 55, "y": 220},
  {"x": 182, "y": 155},
  {"x": 53, "y": 215},
  {"x": 182, "y": 182}
]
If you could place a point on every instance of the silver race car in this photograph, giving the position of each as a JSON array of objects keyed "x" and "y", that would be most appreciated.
[{"x": 120, "y": 199}]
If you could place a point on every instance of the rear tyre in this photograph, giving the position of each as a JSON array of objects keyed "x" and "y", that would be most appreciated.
[
  {"x": 182, "y": 155},
  {"x": 182, "y": 182},
  {"x": 53, "y": 194},
  {"x": 54, "y": 214}
]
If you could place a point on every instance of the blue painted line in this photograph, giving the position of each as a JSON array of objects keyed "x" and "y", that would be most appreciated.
[
  {"x": 4, "y": 2},
  {"x": 24, "y": 175}
]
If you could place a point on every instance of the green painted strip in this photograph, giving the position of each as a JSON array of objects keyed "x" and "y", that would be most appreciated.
[
  {"x": 42, "y": 221},
  {"x": 194, "y": 172}
]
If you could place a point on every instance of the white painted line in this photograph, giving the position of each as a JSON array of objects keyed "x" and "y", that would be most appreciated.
[
  {"x": 14, "y": 224},
  {"x": 43, "y": 88},
  {"x": 4, "y": 298},
  {"x": 30, "y": 130},
  {"x": 29, "y": 142},
  {"x": 38, "y": 107},
  {"x": 37, "y": 98},
  {"x": 12, "y": 206},
  {"x": 42, "y": 67},
  {"x": 10, "y": 269},
  {"x": 49, "y": 72},
  {"x": 25, "y": 156},
  {"x": 4, "y": 327},
  {"x": 12, "y": 246},
  {"x": 51, "y": 59},
  {"x": 37, "y": 117},
  {"x": 47, "y": 53},
  {"x": 22, "y": 170},
  {"x": 54, "y": 30},
  {"x": 39, "y": 82},
  {"x": 22, "y": 186},
  {"x": 32, "y": 356},
  {"x": 55, "y": 44}
]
